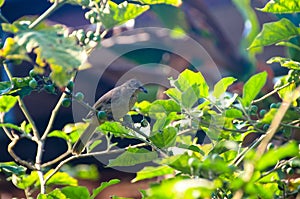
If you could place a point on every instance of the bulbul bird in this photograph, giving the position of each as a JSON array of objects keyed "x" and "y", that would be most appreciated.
[{"x": 116, "y": 103}]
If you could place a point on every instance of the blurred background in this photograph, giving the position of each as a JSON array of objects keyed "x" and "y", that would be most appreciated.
[{"x": 223, "y": 27}]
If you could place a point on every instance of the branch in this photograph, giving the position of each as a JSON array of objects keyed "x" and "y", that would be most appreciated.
[
  {"x": 17, "y": 158},
  {"x": 271, "y": 93},
  {"x": 87, "y": 155},
  {"x": 43, "y": 16}
]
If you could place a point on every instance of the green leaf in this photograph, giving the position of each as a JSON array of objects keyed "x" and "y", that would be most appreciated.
[
  {"x": 190, "y": 96},
  {"x": 181, "y": 187},
  {"x": 252, "y": 87},
  {"x": 12, "y": 168},
  {"x": 222, "y": 85},
  {"x": 1, "y": 3},
  {"x": 116, "y": 14},
  {"x": 174, "y": 94},
  {"x": 103, "y": 186},
  {"x": 282, "y": 6},
  {"x": 132, "y": 157},
  {"x": 170, "y": 2},
  {"x": 289, "y": 116},
  {"x": 115, "y": 128},
  {"x": 7, "y": 102},
  {"x": 61, "y": 178},
  {"x": 77, "y": 192},
  {"x": 272, "y": 156},
  {"x": 188, "y": 79},
  {"x": 55, "y": 194},
  {"x": 164, "y": 139},
  {"x": 288, "y": 44},
  {"x": 5, "y": 87},
  {"x": 25, "y": 181},
  {"x": 59, "y": 134},
  {"x": 234, "y": 113},
  {"x": 168, "y": 105},
  {"x": 285, "y": 62},
  {"x": 61, "y": 53},
  {"x": 275, "y": 32},
  {"x": 151, "y": 172}
]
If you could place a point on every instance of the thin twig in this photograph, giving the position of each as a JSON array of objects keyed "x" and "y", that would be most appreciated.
[
  {"x": 271, "y": 93},
  {"x": 17, "y": 158},
  {"x": 53, "y": 116},
  {"x": 43, "y": 16},
  {"x": 88, "y": 155}
]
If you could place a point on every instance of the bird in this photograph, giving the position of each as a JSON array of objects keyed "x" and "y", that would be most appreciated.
[{"x": 116, "y": 103}]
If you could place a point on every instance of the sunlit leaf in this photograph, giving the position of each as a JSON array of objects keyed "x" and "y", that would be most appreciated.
[
  {"x": 282, "y": 6},
  {"x": 61, "y": 178},
  {"x": 164, "y": 139},
  {"x": 116, "y": 14},
  {"x": 275, "y": 32},
  {"x": 286, "y": 62},
  {"x": 79, "y": 192},
  {"x": 252, "y": 87},
  {"x": 7, "y": 102},
  {"x": 151, "y": 172},
  {"x": 222, "y": 85},
  {"x": 103, "y": 186},
  {"x": 170, "y": 2}
]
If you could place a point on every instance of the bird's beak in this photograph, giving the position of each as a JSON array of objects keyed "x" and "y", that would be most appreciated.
[{"x": 143, "y": 89}]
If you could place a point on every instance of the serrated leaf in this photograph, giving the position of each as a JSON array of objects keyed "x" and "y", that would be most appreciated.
[
  {"x": 103, "y": 186},
  {"x": 116, "y": 14},
  {"x": 275, "y": 32},
  {"x": 61, "y": 53},
  {"x": 285, "y": 62},
  {"x": 282, "y": 6},
  {"x": 151, "y": 172},
  {"x": 133, "y": 156},
  {"x": 7, "y": 102},
  {"x": 164, "y": 139},
  {"x": 252, "y": 87},
  {"x": 222, "y": 85},
  {"x": 77, "y": 192}
]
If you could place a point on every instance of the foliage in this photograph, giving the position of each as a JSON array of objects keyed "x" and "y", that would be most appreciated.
[{"x": 239, "y": 160}]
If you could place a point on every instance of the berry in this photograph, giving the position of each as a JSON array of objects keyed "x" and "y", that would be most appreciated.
[
  {"x": 270, "y": 146},
  {"x": 273, "y": 105},
  {"x": 90, "y": 35},
  {"x": 79, "y": 96},
  {"x": 278, "y": 104},
  {"x": 101, "y": 115},
  {"x": 262, "y": 112},
  {"x": 266, "y": 127},
  {"x": 49, "y": 88},
  {"x": 70, "y": 85},
  {"x": 32, "y": 73},
  {"x": 33, "y": 83},
  {"x": 66, "y": 102}
]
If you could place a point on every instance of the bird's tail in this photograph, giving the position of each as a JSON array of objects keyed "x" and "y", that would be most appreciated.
[{"x": 85, "y": 137}]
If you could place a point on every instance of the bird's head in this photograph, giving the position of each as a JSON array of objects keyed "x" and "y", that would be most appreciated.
[{"x": 136, "y": 85}]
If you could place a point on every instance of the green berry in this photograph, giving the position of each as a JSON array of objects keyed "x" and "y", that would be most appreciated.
[
  {"x": 70, "y": 85},
  {"x": 33, "y": 83},
  {"x": 254, "y": 108},
  {"x": 101, "y": 115},
  {"x": 270, "y": 146},
  {"x": 79, "y": 96},
  {"x": 80, "y": 34},
  {"x": 49, "y": 88},
  {"x": 66, "y": 102},
  {"x": 32, "y": 73},
  {"x": 266, "y": 127},
  {"x": 144, "y": 123},
  {"x": 273, "y": 105},
  {"x": 96, "y": 38},
  {"x": 84, "y": 2},
  {"x": 262, "y": 112},
  {"x": 278, "y": 104}
]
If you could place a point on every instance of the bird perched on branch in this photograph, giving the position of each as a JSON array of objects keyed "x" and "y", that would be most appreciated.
[{"x": 115, "y": 103}]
